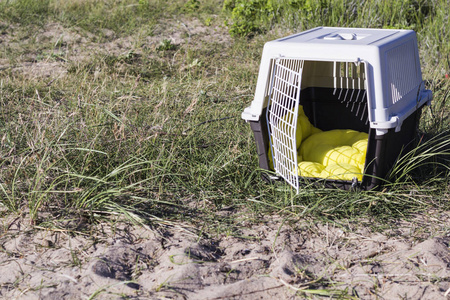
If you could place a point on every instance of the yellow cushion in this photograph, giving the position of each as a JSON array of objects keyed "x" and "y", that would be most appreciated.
[
  {"x": 342, "y": 171},
  {"x": 304, "y": 127},
  {"x": 341, "y": 152},
  {"x": 310, "y": 169},
  {"x": 335, "y": 154}
]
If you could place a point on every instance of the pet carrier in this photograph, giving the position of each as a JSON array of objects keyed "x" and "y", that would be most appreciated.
[{"x": 337, "y": 105}]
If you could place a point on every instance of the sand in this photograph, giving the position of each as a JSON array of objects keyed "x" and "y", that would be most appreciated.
[{"x": 271, "y": 260}]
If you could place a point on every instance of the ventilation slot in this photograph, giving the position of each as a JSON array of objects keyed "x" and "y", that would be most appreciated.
[
  {"x": 401, "y": 63},
  {"x": 349, "y": 86}
]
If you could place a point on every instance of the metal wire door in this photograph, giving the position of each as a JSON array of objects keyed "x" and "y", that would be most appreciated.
[{"x": 282, "y": 114}]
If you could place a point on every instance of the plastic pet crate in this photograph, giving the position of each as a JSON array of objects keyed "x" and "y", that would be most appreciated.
[{"x": 368, "y": 80}]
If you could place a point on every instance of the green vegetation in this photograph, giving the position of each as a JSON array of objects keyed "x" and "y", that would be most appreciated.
[
  {"x": 256, "y": 16},
  {"x": 112, "y": 115}
]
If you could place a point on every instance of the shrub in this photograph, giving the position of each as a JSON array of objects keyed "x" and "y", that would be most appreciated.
[{"x": 249, "y": 17}]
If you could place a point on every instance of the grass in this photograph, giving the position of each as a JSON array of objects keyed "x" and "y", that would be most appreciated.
[{"x": 152, "y": 130}]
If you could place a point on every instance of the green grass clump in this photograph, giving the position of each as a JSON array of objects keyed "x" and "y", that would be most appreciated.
[
  {"x": 25, "y": 11},
  {"x": 121, "y": 16}
]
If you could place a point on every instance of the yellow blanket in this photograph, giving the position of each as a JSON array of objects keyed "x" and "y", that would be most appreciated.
[{"x": 335, "y": 154}]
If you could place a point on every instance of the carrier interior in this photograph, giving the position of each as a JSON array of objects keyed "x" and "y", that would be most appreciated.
[{"x": 333, "y": 96}]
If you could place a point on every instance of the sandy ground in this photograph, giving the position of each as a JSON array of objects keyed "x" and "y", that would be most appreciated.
[{"x": 271, "y": 260}]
